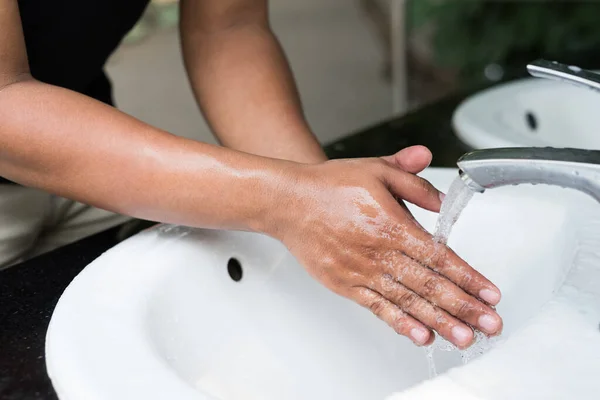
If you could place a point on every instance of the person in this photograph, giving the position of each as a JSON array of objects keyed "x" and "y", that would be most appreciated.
[{"x": 344, "y": 220}]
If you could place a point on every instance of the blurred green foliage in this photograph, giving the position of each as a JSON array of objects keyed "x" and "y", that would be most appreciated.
[{"x": 470, "y": 34}]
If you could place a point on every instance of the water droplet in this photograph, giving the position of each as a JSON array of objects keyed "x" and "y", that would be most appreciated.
[
  {"x": 430, "y": 362},
  {"x": 574, "y": 68}
]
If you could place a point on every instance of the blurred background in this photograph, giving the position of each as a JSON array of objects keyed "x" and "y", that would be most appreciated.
[{"x": 358, "y": 62}]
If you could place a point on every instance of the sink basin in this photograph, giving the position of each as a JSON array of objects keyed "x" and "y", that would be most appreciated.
[
  {"x": 182, "y": 314},
  {"x": 530, "y": 112}
]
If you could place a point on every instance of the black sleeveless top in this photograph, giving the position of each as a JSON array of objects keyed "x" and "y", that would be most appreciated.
[{"x": 69, "y": 41}]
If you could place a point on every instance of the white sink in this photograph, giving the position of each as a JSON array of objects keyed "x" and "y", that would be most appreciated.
[
  {"x": 159, "y": 317},
  {"x": 530, "y": 112}
]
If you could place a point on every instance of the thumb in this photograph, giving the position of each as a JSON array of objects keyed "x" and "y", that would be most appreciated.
[
  {"x": 413, "y": 189},
  {"x": 413, "y": 159}
]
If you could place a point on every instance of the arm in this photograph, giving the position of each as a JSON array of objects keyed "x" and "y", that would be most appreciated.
[
  {"x": 242, "y": 81},
  {"x": 74, "y": 146},
  {"x": 341, "y": 219}
]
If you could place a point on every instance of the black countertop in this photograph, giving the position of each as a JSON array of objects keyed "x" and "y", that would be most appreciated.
[{"x": 30, "y": 291}]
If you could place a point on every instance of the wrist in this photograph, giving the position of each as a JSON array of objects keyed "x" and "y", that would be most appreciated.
[{"x": 279, "y": 200}]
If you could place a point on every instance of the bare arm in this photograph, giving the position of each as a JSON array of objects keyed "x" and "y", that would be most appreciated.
[
  {"x": 74, "y": 146},
  {"x": 341, "y": 219},
  {"x": 13, "y": 57},
  {"x": 242, "y": 80}
]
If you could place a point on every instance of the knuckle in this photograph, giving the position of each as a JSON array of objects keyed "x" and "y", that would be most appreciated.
[
  {"x": 399, "y": 324},
  {"x": 408, "y": 300},
  {"x": 464, "y": 279},
  {"x": 431, "y": 286},
  {"x": 441, "y": 323},
  {"x": 443, "y": 256},
  {"x": 464, "y": 309},
  {"x": 435, "y": 257},
  {"x": 387, "y": 283},
  {"x": 377, "y": 307}
]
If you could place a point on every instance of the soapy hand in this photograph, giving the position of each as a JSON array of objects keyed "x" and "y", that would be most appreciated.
[{"x": 347, "y": 224}]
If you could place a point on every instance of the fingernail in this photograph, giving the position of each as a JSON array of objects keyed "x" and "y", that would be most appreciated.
[
  {"x": 419, "y": 335},
  {"x": 489, "y": 323},
  {"x": 491, "y": 296},
  {"x": 442, "y": 196},
  {"x": 462, "y": 334}
]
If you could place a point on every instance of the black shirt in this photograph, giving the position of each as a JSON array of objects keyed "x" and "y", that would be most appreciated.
[{"x": 69, "y": 41}]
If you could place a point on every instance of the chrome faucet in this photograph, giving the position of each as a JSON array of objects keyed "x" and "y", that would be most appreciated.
[
  {"x": 564, "y": 73},
  {"x": 573, "y": 168}
]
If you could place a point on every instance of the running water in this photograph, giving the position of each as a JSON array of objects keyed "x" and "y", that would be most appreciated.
[
  {"x": 456, "y": 200},
  {"x": 430, "y": 361}
]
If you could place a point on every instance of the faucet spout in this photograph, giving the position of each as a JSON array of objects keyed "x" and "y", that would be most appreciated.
[
  {"x": 565, "y": 73},
  {"x": 571, "y": 168}
]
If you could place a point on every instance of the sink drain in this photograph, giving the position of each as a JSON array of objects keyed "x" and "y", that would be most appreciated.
[
  {"x": 531, "y": 120},
  {"x": 234, "y": 268}
]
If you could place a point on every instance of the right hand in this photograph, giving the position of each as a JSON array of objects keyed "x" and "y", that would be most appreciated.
[{"x": 346, "y": 223}]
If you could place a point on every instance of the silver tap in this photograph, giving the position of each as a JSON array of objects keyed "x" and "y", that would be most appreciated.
[
  {"x": 565, "y": 73},
  {"x": 573, "y": 168}
]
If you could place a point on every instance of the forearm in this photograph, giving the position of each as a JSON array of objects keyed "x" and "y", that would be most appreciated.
[
  {"x": 246, "y": 90},
  {"x": 76, "y": 147}
]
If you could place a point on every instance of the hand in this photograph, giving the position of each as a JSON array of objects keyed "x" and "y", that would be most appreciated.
[{"x": 348, "y": 226}]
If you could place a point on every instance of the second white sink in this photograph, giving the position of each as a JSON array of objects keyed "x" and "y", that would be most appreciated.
[{"x": 530, "y": 112}]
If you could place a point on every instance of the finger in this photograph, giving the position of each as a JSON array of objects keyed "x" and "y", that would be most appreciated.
[
  {"x": 413, "y": 159},
  {"x": 398, "y": 320},
  {"x": 413, "y": 189},
  {"x": 446, "y": 295},
  {"x": 443, "y": 260},
  {"x": 446, "y": 325}
]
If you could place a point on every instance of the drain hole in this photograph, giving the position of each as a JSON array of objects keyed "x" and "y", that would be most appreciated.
[
  {"x": 531, "y": 121},
  {"x": 234, "y": 268}
]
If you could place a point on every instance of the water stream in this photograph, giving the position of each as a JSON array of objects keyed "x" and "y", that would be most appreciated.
[{"x": 456, "y": 200}]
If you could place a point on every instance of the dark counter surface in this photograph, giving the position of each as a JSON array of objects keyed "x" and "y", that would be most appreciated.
[{"x": 30, "y": 291}]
